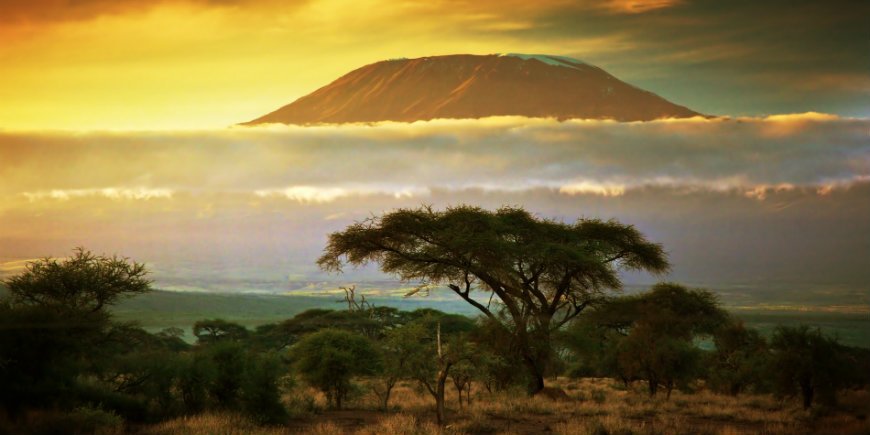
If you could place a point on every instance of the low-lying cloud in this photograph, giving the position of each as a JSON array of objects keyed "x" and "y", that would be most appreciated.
[
  {"x": 308, "y": 164},
  {"x": 736, "y": 201}
]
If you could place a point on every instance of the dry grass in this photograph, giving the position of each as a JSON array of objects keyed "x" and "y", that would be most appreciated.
[
  {"x": 213, "y": 424},
  {"x": 598, "y": 407}
]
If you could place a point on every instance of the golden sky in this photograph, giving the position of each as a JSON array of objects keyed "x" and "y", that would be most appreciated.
[
  {"x": 182, "y": 65},
  {"x": 114, "y": 116},
  {"x": 196, "y": 64}
]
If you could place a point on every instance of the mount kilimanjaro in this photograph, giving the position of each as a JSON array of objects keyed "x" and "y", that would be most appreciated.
[{"x": 474, "y": 86}]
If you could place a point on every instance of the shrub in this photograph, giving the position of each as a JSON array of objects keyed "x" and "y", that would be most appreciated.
[
  {"x": 261, "y": 389},
  {"x": 80, "y": 421},
  {"x": 808, "y": 363},
  {"x": 228, "y": 360},
  {"x": 194, "y": 376},
  {"x": 328, "y": 359}
]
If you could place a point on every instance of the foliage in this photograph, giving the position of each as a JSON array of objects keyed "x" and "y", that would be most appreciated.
[
  {"x": 261, "y": 388},
  {"x": 195, "y": 374},
  {"x": 543, "y": 272},
  {"x": 84, "y": 420},
  {"x": 330, "y": 358},
  {"x": 41, "y": 351},
  {"x": 215, "y": 330},
  {"x": 228, "y": 360},
  {"x": 652, "y": 334},
  {"x": 739, "y": 359},
  {"x": 808, "y": 363},
  {"x": 85, "y": 281},
  {"x": 55, "y": 327}
]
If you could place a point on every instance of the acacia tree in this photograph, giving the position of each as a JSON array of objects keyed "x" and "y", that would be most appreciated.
[
  {"x": 55, "y": 324},
  {"x": 655, "y": 333},
  {"x": 429, "y": 357},
  {"x": 807, "y": 362},
  {"x": 739, "y": 358},
  {"x": 543, "y": 272},
  {"x": 216, "y": 330},
  {"x": 85, "y": 281}
]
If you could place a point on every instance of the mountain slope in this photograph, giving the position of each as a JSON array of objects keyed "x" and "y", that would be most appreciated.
[{"x": 471, "y": 86}]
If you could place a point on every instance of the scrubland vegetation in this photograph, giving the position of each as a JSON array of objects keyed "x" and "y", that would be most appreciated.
[{"x": 556, "y": 351}]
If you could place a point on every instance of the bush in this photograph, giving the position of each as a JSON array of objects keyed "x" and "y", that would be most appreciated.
[
  {"x": 80, "y": 421},
  {"x": 261, "y": 389},
  {"x": 228, "y": 361},
  {"x": 808, "y": 363},
  {"x": 328, "y": 359},
  {"x": 195, "y": 374},
  {"x": 95, "y": 396}
]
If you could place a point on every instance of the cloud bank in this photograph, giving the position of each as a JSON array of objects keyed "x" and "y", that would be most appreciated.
[
  {"x": 750, "y": 155},
  {"x": 741, "y": 202}
]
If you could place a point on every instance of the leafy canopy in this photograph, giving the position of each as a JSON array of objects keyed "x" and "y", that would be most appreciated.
[
  {"x": 537, "y": 267},
  {"x": 82, "y": 282}
]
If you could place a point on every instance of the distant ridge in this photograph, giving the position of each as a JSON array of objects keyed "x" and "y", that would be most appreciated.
[{"x": 473, "y": 86}]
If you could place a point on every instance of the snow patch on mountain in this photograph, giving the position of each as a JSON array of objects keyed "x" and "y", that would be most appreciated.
[{"x": 563, "y": 61}]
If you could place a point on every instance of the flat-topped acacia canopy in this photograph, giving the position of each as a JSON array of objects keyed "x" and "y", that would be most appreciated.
[{"x": 544, "y": 272}]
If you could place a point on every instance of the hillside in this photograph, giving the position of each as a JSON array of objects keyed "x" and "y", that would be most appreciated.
[{"x": 472, "y": 86}]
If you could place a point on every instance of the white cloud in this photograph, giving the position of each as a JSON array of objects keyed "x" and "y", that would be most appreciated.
[
  {"x": 113, "y": 193},
  {"x": 325, "y": 163}
]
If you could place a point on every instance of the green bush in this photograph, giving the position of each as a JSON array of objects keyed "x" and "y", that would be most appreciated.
[
  {"x": 808, "y": 363},
  {"x": 195, "y": 374},
  {"x": 328, "y": 359},
  {"x": 228, "y": 359},
  {"x": 261, "y": 389}
]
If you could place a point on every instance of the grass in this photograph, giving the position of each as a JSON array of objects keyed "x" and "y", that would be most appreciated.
[{"x": 621, "y": 412}]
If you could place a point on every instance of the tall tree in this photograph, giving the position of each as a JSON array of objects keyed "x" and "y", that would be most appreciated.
[{"x": 543, "y": 272}]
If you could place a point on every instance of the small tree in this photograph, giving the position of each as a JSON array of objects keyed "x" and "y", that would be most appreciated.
[
  {"x": 215, "y": 330},
  {"x": 808, "y": 363},
  {"x": 739, "y": 360},
  {"x": 195, "y": 375},
  {"x": 330, "y": 358},
  {"x": 658, "y": 330},
  {"x": 431, "y": 355},
  {"x": 84, "y": 281},
  {"x": 462, "y": 374},
  {"x": 396, "y": 353},
  {"x": 261, "y": 388},
  {"x": 55, "y": 325},
  {"x": 227, "y": 358}
]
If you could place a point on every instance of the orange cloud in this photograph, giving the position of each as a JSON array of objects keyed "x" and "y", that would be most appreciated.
[{"x": 638, "y": 6}]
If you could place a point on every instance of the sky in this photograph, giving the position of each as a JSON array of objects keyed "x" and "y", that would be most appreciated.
[
  {"x": 198, "y": 64},
  {"x": 117, "y": 134}
]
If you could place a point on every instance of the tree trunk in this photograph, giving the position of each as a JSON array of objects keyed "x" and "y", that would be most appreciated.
[
  {"x": 536, "y": 376},
  {"x": 735, "y": 388},
  {"x": 653, "y": 387},
  {"x": 459, "y": 395},
  {"x": 439, "y": 395},
  {"x": 807, "y": 393},
  {"x": 387, "y": 393},
  {"x": 468, "y": 394}
]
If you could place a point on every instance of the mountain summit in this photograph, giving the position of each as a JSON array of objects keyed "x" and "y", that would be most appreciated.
[{"x": 471, "y": 86}]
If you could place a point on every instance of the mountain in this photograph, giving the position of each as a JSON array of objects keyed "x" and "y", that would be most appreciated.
[{"x": 472, "y": 86}]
